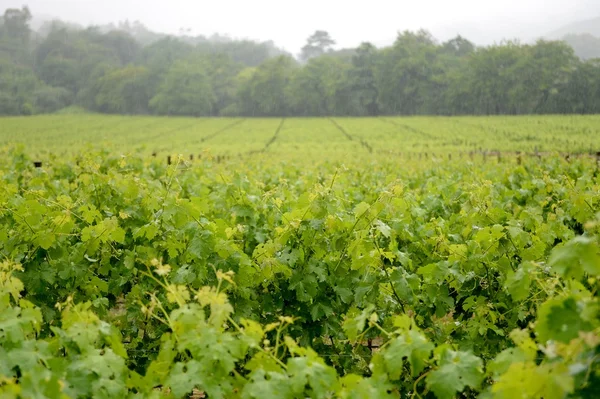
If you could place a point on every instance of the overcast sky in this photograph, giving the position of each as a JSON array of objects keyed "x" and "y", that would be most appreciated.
[{"x": 289, "y": 23}]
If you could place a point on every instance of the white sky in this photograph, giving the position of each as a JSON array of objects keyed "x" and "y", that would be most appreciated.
[{"x": 348, "y": 21}]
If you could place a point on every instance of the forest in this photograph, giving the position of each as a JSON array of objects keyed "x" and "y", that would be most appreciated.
[{"x": 130, "y": 70}]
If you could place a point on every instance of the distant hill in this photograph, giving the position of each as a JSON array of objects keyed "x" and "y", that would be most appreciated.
[
  {"x": 589, "y": 26},
  {"x": 586, "y": 46},
  {"x": 583, "y": 36}
]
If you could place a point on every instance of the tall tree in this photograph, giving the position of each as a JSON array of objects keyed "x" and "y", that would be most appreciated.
[
  {"x": 16, "y": 24},
  {"x": 363, "y": 84},
  {"x": 317, "y": 44},
  {"x": 15, "y": 34},
  {"x": 458, "y": 46},
  {"x": 405, "y": 73}
]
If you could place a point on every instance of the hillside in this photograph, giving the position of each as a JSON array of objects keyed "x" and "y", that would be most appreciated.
[
  {"x": 589, "y": 26},
  {"x": 586, "y": 46},
  {"x": 583, "y": 36}
]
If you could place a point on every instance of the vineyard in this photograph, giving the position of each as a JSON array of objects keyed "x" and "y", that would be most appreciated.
[
  {"x": 299, "y": 258},
  {"x": 317, "y": 138}
]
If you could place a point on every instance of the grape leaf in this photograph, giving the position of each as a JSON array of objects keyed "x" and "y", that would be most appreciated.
[{"x": 455, "y": 372}]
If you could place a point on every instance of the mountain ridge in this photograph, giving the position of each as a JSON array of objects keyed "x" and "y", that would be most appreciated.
[{"x": 588, "y": 26}]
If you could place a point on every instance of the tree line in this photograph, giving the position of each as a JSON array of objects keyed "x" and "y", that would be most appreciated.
[{"x": 115, "y": 72}]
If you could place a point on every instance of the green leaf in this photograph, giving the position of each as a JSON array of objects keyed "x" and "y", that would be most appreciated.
[
  {"x": 407, "y": 285},
  {"x": 455, "y": 372},
  {"x": 560, "y": 319},
  {"x": 517, "y": 283},
  {"x": 412, "y": 346},
  {"x": 315, "y": 373},
  {"x": 526, "y": 380},
  {"x": 271, "y": 385},
  {"x": 383, "y": 228},
  {"x": 355, "y": 320},
  {"x": 46, "y": 240},
  {"x": 184, "y": 377},
  {"x": 360, "y": 209},
  {"x": 500, "y": 364},
  {"x": 578, "y": 256},
  {"x": 159, "y": 369}
]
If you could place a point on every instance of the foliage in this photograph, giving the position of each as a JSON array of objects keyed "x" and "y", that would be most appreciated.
[
  {"x": 403, "y": 139},
  {"x": 415, "y": 76},
  {"x": 123, "y": 90},
  {"x": 317, "y": 44},
  {"x": 122, "y": 276},
  {"x": 186, "y": 90}
]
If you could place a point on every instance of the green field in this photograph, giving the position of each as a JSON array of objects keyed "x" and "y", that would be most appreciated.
[
  {"x": 319, "y": 259},
  {"x": 321, "y": 137}
]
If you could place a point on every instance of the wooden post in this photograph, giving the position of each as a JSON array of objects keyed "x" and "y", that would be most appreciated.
[
  {"x": 191, "y": 157},
  {"x": 168, "y": 160}
]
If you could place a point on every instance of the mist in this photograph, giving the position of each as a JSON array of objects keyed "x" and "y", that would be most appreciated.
[{"x": 288, "y": 26}]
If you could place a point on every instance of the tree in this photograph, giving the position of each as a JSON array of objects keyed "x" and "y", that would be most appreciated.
[
  {"x": 16, "y": 24},
  {"x": 15, "y": 34},
  {"x": 544, "y": 68},
  {"x": 447, "y": 92},
  {"x": 317, "y": 44},
  {"x": 122, "y": 44},
  {"x": 186, "y": 90},
  {"x": 17, "y": 84},
  {"x": 221, "y": 71},
  {"x": 58, "y": 71},
  {"x": 363, "y": 85},
  {"x": 50, "y": 99},
  {"x": 126, "y": 68},
  {"x": 160, "y": 55},
  {"x": 263, "y": 91},
  {"x": 312, "y": 89},
  {"x": 581, "y": 92},
  {"x": 459, "y": 47},
  {"x": 124, "y": 91},
  {"x": 491, "y": 77},
  {"x": 405, "y": 73},
  {"x": 245, "y": 52}
]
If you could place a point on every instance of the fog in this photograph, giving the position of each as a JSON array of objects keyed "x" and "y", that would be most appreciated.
[{"x": 288, "y": 24}]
